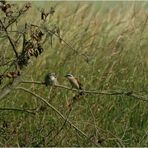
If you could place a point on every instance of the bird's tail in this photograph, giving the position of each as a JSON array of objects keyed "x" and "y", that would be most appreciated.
[{"x": 81, "y": 92}]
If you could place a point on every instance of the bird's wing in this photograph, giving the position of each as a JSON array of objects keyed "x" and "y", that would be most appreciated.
[
  {"x": 80, "y": 84},
  {"x": 46, "y": 80}
]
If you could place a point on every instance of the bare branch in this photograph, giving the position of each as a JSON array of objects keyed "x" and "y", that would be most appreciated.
[
  {"x": 21, "y": 12},
  {"x": 69, "y": 45},
  {"x": 6, "y": 63},
  {"x": 58, "y": 112},
  {"x": 17, "y": 109},
  {"x": 10, "y": 40},
  {"x": 113, "y": 92},
  {"x": 59, "y": 131}
]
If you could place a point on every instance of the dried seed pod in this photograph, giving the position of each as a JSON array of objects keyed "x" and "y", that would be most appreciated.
[
  {"x": 51, "y": 11},
  {"x": 28, "y": 5},
  {"x": 3, "y": 2},
  {"x": 23, "y": 60},
  {"x": 40, "y": 34},
  {"x": 36, "y": 35},
  {"x": 40, "y": 49},
  {"x": 36, "y": 53},
  {"x": 44, "y": 15},
  {"x": 29, "y": 48},
  {"x": 4, "y": 7},
  {"x": 13, "y": 74},
  {"x": 25, "y": 7}
]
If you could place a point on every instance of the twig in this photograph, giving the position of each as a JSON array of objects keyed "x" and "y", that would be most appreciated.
[
  {"x": 10, "y": 40},
  {"x": 34, "y": 82},
  {"x": 16, "y": 17},
  {"x": 58, "y": 112},
  {"x": 70, "y": 46},
  {"x": 17, "y": 109},
  {"x": 114, "y": 92},
  {"x": 62, "y": 126},
  {"x": 6, "y": 63}
]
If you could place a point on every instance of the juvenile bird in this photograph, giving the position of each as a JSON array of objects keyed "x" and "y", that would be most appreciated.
[{"x": 50, "y": 79}]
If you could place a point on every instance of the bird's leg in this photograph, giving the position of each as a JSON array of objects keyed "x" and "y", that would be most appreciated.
[{"x": 80, "y": 92}]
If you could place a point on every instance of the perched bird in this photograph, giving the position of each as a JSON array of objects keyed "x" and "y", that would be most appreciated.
[
  {"x": 50, "y": 79},
  {"x": 75, "y": 83}
]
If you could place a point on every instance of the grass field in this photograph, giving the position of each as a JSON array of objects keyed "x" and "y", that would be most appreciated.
[{"x": 110, "y": 40}]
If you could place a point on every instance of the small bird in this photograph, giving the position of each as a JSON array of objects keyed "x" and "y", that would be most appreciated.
[
  {"x": 75, "y": 83},
  {"x": 50, "y": 79}
]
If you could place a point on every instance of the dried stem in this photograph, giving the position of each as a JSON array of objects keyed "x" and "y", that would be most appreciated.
[
  {"x": 10, "y": 40},
  {"x": 58, "y": 112},
  {"x": 17, "y": 109}
]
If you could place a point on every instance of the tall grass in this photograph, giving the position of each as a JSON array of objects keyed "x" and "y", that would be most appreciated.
[{"x": 113, "y": 36}]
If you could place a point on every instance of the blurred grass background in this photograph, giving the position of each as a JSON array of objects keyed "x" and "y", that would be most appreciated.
[{"x": 114, "y": 36}]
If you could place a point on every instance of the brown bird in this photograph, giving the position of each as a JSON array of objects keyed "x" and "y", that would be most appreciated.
[{"x": 75, "y": 83}]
